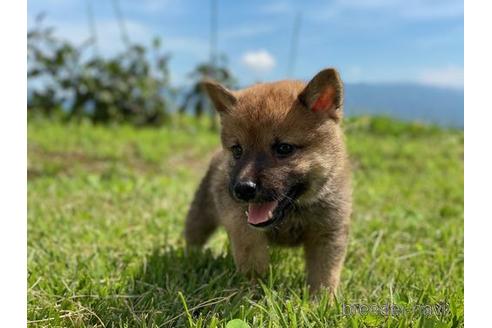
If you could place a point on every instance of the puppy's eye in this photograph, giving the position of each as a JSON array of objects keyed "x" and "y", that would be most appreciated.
[
  {"x": 283, "y": 149},
  {"x": 237, "y": 151}
]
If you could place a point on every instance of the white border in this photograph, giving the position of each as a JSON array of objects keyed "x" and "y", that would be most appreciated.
[
  {"x": 478, "y": 163},
  {"x": 13, "y": 228},
  {"x": 478, "y": 108}
]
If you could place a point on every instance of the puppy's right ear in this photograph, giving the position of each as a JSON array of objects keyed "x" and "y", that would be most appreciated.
[
  {"x": 324, "y": 94},
  {"x": 221, "y": 97}
]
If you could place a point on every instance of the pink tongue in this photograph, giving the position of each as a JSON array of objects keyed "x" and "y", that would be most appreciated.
[{"x": 258, "y": 212}]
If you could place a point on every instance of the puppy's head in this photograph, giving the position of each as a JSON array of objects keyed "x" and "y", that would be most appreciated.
[{"x": 283, "y": 142}]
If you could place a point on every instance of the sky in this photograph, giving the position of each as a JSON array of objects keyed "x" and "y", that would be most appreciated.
[{"x": 369, "y": 41}]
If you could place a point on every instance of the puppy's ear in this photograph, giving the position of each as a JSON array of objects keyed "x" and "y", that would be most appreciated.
[
  {"x": 324, "y": 94},
  {"x": 221, "y": 97}
]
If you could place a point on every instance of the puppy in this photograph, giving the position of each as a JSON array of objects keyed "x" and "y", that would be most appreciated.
[{"x": 281, "y": 178}]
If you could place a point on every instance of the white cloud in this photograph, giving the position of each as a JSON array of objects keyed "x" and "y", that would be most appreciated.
[
  {"x": 433, "y": 9},
  {"x": 260, "y": 61},
  {"x": 155, "y": 7},
  {"x": 409, "y": 10},
  {"x": 366, "y": 3},
  {"x": 109, "y": 40},
  {"x": 245, "y": 31},
  {"x": 450, "y": 77},
  {"x": 275, "y": 8}
]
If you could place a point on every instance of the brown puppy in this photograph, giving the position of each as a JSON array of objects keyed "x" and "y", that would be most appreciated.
[{"x": 281, "y": 178}]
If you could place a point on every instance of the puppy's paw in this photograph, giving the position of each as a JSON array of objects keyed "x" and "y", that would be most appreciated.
[
  {"x": 321, "y": 292},
  {"x": 253, "y": 271}
]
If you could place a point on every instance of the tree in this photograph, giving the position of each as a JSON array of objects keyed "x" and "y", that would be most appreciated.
[
  {"x": 132, "y": 86},
  {"x": 196, "y": 100}
]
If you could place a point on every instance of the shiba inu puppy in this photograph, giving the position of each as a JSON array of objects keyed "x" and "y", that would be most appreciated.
[{"x": 281, "y": 178}]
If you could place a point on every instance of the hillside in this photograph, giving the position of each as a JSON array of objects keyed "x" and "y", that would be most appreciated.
[{"x": 411, "y": 102}]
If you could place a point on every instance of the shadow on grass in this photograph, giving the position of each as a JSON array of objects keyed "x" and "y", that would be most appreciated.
[{"x": 170, "y": 278}]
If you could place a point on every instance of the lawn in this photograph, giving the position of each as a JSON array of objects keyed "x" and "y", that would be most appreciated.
[{"x": 106, "y": 207}]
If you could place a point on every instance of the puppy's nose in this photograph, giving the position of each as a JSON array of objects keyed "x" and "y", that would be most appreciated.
[{"x": 245, "y": 190}]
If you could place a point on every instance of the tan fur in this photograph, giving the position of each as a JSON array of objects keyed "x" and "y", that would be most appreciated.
[{"x": 255, "y": 117}]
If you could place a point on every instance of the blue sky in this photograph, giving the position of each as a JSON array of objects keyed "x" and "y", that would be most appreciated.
[{"x": 367, "y": 40}]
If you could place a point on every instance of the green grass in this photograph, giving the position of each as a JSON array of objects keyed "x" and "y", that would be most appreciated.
[{"x": 105, "y": 247}]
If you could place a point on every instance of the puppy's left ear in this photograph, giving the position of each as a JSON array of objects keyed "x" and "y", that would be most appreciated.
[
  {"x": 324, "y": 94},
  {"x": 221, "y": 97}
]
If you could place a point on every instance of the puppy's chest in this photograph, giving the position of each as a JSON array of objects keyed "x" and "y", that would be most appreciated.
[{"x": 290, "y": 232}]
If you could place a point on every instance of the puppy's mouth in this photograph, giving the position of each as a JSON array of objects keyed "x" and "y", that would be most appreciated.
[{"x": 267, "y": 214}]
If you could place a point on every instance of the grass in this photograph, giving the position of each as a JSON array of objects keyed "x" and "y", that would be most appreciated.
[{"x": 105, "y": 248}]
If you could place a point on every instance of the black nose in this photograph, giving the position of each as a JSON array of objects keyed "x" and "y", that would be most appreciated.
[{"x": 245, "y": 190}]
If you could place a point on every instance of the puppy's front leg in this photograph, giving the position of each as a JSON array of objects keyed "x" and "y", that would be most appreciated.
[
  {"x": 325, "y": 254},
  {"x": 249, "y": 249}
]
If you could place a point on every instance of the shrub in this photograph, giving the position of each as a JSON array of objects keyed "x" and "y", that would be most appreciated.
[{"x": 132, "y": 86}]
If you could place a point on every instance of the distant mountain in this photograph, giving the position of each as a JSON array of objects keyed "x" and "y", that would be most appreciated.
[{"x": 411, "y": 102}]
